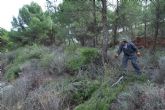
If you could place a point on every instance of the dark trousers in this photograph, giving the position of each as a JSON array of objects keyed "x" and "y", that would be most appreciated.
[{"x": 133, "y": 59}]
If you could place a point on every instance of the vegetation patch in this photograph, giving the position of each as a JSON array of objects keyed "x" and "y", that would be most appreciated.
[
  {"x": 84, "y": 57},
  {"x": 105, "y": 95},
  {"x": 79, "y": 91},
  {"x": 20, "y": 56}
]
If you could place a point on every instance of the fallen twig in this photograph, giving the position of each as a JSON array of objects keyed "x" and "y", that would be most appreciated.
[{"x": 117, "y": 81}]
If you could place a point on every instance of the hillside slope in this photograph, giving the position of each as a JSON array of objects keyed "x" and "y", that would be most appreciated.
[{"x": 74, "y": 78}]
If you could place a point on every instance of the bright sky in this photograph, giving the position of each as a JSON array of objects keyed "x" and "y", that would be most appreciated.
[{"x": 10, "y": 8}]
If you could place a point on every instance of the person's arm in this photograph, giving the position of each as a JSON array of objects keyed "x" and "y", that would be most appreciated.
[{"x": 134, "y": 47}]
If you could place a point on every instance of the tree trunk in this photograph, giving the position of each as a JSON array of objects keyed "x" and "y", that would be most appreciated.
[
  {"x": 105, "y": 30},
  {"x": 116, "y": 24},
  {"x": 145, "y": 26},
  {"x": 145, "y": 33},
  {"x": 94, "y": 23},
  {"x": 157, "y": 14}
]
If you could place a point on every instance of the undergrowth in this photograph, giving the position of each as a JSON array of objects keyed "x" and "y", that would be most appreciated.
[
  {"x": 82, "y": 57},
  {"x": 81, "y": 92},
  {"x": 20, "y": 56},
  {"x": 105, "y": 95}
]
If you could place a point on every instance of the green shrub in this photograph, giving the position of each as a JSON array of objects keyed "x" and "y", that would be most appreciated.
[
  {"x": 79, "y": 91},
  {"x": 71, "y": 49},
  {"x": 46, "y": 59},
  {"x": 20, "y": 56},
  {"x": 84, "y": 56},
  {"x": 12, "y": 71},
  {"x": 29, "y": 52},
  {"x": 74, "y": 63},
  {"x": 82, "y": 90},
  {"x": 88, "y": 55},
  {"x": 102, "y": 98}
]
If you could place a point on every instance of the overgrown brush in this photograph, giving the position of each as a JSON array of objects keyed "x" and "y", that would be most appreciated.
[
  {"x": 20, "y": 56},
  {"x": 89, "y": 89},
  {"x": 106, "y": 94},
  {"x": 142, "y": 97},
  {"x": 60, "y": 95},
  {"x": 54, "y": 62},
  {"x": 83, "y": 57}
]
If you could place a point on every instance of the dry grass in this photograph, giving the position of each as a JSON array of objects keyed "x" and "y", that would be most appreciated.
[{"x": 141, "y": 97}]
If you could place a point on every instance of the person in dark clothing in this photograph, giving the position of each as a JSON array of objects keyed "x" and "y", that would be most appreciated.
[{"x": 130, "y": 53}]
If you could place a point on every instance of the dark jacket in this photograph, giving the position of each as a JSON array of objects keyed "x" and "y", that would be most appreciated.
[{"x": 128, "y": 50}]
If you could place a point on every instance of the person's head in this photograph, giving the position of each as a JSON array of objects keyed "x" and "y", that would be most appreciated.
[{"x": 124, "y": 40}]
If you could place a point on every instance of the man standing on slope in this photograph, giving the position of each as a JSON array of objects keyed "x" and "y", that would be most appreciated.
[{"x": 130, "y": 53}]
